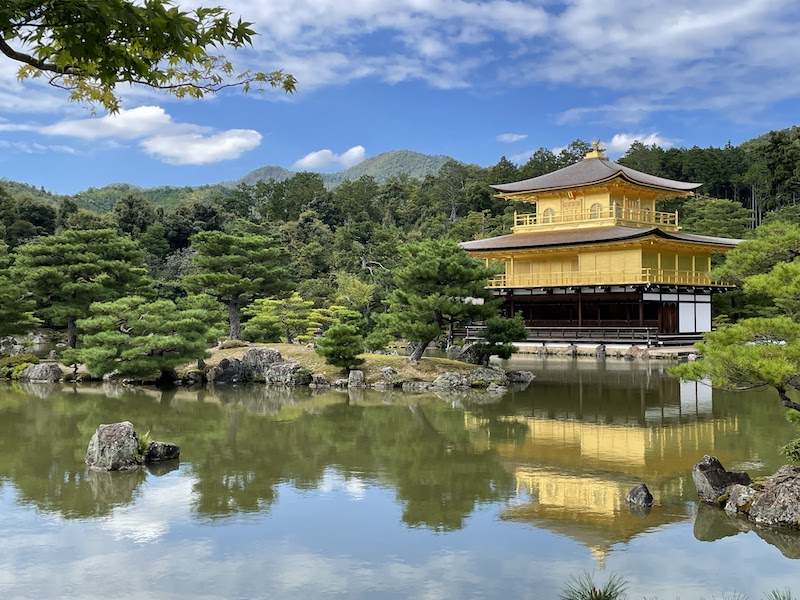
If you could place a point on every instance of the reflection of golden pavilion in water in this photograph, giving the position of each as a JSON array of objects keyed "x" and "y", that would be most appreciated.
[{"x": 573, "y": 474}]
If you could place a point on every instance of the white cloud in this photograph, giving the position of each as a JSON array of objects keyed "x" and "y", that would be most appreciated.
[
  {"x": 620, "y": 142},
  {"x": 326, "y": 159},
  {"x": 126, "y": 124},
  {"x": 198, "y": 149},
  {"x": 510, "y": 138}
]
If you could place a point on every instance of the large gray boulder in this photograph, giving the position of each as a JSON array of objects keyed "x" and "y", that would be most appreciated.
[
  {"x": 355, "y": 378},
  {"x": 416, "y": 386},
  {"x": 256, "y": 362},
  {"x": 779, "y": 502},
  {"x": 114, "y": 447},
  {"x": 470, "y": 354},
  {"x": 450, "y": 381},
  {"x": 389, "y": 374},
  {"x": 288, "y": 373},
  {"x": 713, "y": 481},
  {"x": 45, "y": 372},
  {"x": 228, "y": 371},
  {"x": 483, "y": 376}
]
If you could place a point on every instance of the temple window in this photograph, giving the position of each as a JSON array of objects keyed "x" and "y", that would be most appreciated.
[
  {"x": 548, "y": 216},
  {"x": 596, "y": 211}
]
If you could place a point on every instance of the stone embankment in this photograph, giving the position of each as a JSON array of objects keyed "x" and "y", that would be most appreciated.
[{"x": 774, "y": 501}]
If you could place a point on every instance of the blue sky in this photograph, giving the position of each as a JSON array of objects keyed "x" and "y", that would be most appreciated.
[{"x": 473, "y": 80}]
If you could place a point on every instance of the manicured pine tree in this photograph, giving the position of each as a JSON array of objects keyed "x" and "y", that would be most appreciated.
[
  {"x": 234, "y": 269},
  {"x": 437, "y": 285},
  {"x": 273, "y": 318},
  {"x": 66, "y": 273},
  {"x": 342, "y": 342},
  {"x": 498, "y": 337},
  {"x": 16, "y": 311},
  {"x": 140, "y": 339}
]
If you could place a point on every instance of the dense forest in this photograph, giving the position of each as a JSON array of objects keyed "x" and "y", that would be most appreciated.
[{"x": 339, "y": 246}]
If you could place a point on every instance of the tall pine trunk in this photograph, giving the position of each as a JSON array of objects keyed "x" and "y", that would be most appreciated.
[
  {"x": 72, "y": 335},
  {"x": 234, "y": 319},
  {"x": 419, "y": 349}
]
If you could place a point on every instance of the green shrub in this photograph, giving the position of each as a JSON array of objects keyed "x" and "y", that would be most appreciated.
[
  {"x": 582, "y": 587},
  {"x": 227, "y": 344},
  {"x": 18, "y": 359}
]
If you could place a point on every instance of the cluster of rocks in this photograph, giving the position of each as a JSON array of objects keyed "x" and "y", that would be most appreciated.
[
  {"x": 19, "y": 344},
  {"x": 489, "y": 379},
  {"x": 775, "y": 501},
  {"x": 115, "y": 447}
]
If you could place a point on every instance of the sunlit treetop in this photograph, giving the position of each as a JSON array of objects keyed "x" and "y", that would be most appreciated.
[{"x": 88, "y": 47}]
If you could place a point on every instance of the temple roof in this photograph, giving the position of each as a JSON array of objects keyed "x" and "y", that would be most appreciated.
[
  {"x": 544, "y": 239},
  {"x": 592, "y": 171}
]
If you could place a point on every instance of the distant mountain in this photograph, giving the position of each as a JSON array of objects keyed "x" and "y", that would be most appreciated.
[
  {"x": 381, "y": 167},
  {"x": 17, "y": 189},
  {"x": 265, "y": 174}
]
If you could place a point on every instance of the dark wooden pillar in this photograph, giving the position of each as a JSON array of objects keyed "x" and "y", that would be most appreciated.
[{"x": 580, "y": 311}]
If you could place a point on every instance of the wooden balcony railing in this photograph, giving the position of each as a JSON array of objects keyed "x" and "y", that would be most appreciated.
[
  {"x": 617, "y": 213},
  {"x": 610, "y": 277}
]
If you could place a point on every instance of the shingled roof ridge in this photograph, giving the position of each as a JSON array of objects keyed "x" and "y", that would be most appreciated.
[{"x": 588, "y": 171}]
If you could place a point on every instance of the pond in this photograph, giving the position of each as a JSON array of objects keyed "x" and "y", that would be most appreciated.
[{"x": 301, "y": 494}]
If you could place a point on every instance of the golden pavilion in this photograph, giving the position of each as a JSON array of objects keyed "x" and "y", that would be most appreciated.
[{"x": 594, "y": 261}]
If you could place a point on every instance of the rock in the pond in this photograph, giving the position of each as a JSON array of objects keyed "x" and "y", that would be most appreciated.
[
  {"x": 356, "y": 378},
  {"x": 228, "y": 371},
  {"x": 740, "y": 498},
  {"x": 571, "y": 350},
  {"x": 256, "y": 362},
  {"x": 632, "y": 353},
  {"x": 113, "y": 447},
  {"x": 779, "y": 502},
  {"x": 483, "y": 376},
  {"x": 340, "y": 383},
  {"x": 161, "y": 451},
  {"x": 712, "y": 481},
  {"x": 319, "y": 381},
  {"x": 640, "y": 496},
  {"x": 449, "y": 381},
  {"x": 600, "y": 351},
  {"x": 46, "y": 372},
  {"x": 520, "y": 376}
]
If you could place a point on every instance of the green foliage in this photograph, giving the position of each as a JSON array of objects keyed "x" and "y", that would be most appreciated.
[
  {"x": 378, "y": 339},
  {"x": 780, "y": 595},
  {"x": 18, "y": 359},
  {"x": 12, "y": 366},
  {"x": 582, "y": 587},
  {"x": 88, "y": 48},
  {"x": 234, "y": 269},
  {"x": 138, "y": 338},
  {"x": 16, "y": 308},
  {"x": 66, "y": 273},
  {"x": 342, "y": 342},
  {"x": 288, "y": 317},
  {"x": 720, "y": 218},
  {"x": 144, "y": 440},
  {"x": 433, "y": 287},
  {"x": 498, "y": 337}
]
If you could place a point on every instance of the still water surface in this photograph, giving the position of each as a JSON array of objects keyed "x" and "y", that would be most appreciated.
[{"x": 294, "y": 494}]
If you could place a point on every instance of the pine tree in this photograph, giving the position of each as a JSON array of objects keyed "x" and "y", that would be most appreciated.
[
  {"x": 342, "y": 342},
  {"x": 140, "y": 339},
  {"x": 437, "y": 285},
  {"x": 273, "y": 317},
  {"x": 66, "y": 273},
  {"x": 498, "y": 337},
  {"x": 234, "y": 269},
  {"x": 16, "y": 311}
]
